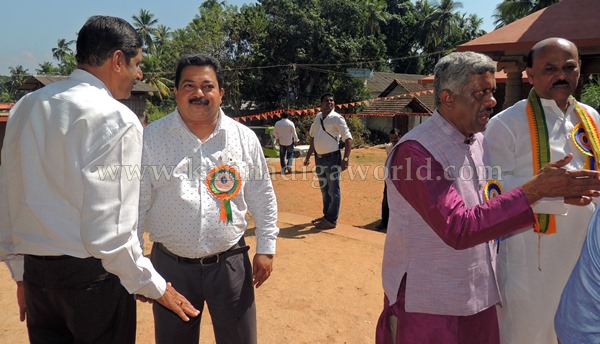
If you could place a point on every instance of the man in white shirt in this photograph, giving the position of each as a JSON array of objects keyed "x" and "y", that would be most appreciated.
[
  {"x": 285, "y": 133},
  {"x": 68, "y": 227},
  {"x": 534, "y": 265},
  {"x": 327, "y": 130},
  {"x": 203, "y": 173}
]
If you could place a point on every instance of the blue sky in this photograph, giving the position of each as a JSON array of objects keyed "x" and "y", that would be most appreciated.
[{"x": 33, "y": 27}]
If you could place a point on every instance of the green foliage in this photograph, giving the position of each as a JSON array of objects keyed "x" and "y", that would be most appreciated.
[
  {"x": 509, "y": 11},
  {"x": 46, "y": 68},
  {"x": 155, "y": 112},
  {"x": 360, "y": 133},
  {"x": 303, "y": 124},
  {"x": 286, "y": 53},
  {"x": 18, "y": 75},
  {"x": 377, "y": 137},
  {"x": 591, "y": 92}
]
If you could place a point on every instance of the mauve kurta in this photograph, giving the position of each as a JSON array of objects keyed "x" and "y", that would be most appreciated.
[{"x": 441, "y": 233}]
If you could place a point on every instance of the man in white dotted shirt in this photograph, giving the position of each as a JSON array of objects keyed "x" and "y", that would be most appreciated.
[{"x": 203, "y": 173}]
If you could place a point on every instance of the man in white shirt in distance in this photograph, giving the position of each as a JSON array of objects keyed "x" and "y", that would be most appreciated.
[{"x": 285, "y": 133}]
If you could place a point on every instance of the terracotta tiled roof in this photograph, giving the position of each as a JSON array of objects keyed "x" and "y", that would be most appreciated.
[
  {"x": 6, "y": 106},
  {"x": 381, "y": 80},
  {"x": 575, "y": 20}
]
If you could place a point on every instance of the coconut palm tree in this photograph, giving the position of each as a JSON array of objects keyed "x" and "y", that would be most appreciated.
[
  {"x": 153, "y": 76},
  {"x": 18, "y": 75},
  {"x": 144, "y": 24},
  {"x": 62, "y": 49},
  {"x": 376, "y": 11},
  {"x": 445, "y": 15},
  {"x": 509, "y": 11}
]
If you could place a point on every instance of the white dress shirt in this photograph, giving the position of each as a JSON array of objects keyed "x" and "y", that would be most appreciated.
[
  {"x": 59, "y": 142},
  {"x": 176, "y": 206},
  {"x": 335, "y": 125},
  {"x": 530, "y": 296},
  {"x": 285, "y": 132}
]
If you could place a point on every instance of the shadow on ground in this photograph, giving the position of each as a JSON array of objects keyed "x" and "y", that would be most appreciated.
[{"x": 290, "y": 231}]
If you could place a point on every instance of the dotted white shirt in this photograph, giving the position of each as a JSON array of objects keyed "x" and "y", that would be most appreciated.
[{"x": 177, "y": 208}]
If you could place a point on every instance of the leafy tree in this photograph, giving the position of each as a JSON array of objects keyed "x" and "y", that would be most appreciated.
[
  {"x": 68, "y": 65},
  {"x": 18, "y": 75},
  {"x": 279, "y": 53},
  {"x": 153, "y": 77},
  {"x": 509, "y": 11},
  {"x": 591, "y": 92},
  {"x": 401, "y": 36},
  {"x": 46, "y": 68},
  {"x": 376, "y": 13}
]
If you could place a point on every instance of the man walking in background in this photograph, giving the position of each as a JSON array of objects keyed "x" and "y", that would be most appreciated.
[
  {"x": 285, "y": 134},
  {"x": 325, "y": 132}
]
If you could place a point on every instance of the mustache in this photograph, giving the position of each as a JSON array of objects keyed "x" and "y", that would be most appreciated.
[
  {"x": 202, "y": 101},
  {"x": 560, "y": 82},
  {"x": 488, "y": 109}
]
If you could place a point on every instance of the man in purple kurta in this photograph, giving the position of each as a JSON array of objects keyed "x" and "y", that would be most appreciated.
[{"x": 439, "y": 255}]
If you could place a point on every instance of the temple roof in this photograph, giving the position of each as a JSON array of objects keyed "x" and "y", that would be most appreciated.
[{"x": 575, "y": 20}]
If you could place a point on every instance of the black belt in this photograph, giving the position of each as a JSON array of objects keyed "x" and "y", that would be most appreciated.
[
  {"x": 204, "y": 261},
  {"x": 51, "y": 257},
  {"x": 320, "y": 156}
]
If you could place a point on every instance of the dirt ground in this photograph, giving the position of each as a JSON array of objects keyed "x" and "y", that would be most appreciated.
[{"x": 325, "y": 287}]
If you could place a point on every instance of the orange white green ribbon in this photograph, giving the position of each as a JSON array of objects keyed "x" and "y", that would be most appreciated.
[
  {"x": 585, "y": 137},
  {"x": 224, "y": 182},
  {"x": 540, "y": 145}
]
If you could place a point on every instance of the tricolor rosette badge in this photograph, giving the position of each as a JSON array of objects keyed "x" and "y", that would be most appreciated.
[
  {"x": 583, "y": 143},
  {"x": 492, "y": 189},
  {"x": 224, "y": 182}
]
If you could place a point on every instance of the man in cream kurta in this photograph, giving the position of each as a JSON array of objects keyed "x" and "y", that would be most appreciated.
[{"x": 533, "y": 268}]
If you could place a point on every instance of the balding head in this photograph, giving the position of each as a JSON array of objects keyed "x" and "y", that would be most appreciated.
[
  {"x": 551, "y": 43},
  {"x": 553, "y": 68}
]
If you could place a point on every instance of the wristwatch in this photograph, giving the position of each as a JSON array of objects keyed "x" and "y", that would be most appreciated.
[{"x": 346, "y": 159}]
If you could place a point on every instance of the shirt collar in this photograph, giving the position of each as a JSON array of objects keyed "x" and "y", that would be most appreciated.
[
  {"x": 550, "y": 104},
  {"x": 450, "y": 130},
  {"x": 89, "y": 78}
]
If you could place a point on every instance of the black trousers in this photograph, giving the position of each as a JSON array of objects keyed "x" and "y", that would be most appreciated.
[
  {"x": 74, "y": 300},
  {"x": 227, "y": 289}
]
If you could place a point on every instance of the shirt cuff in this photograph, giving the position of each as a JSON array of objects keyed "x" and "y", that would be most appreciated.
[
  {"x": 16, "y": 266},
  {"x": 266, "y": 246}
]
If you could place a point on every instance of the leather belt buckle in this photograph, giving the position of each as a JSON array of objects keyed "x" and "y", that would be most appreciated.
[{"x": 208, "y": 258}]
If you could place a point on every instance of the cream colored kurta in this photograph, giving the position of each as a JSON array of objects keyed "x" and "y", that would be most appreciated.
[{"x": 530, "y": 296}]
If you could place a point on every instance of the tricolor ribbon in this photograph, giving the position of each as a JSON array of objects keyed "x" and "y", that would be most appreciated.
[
  {"x": 540, "y": 145},
  {"x": 224, "y": 182}
]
